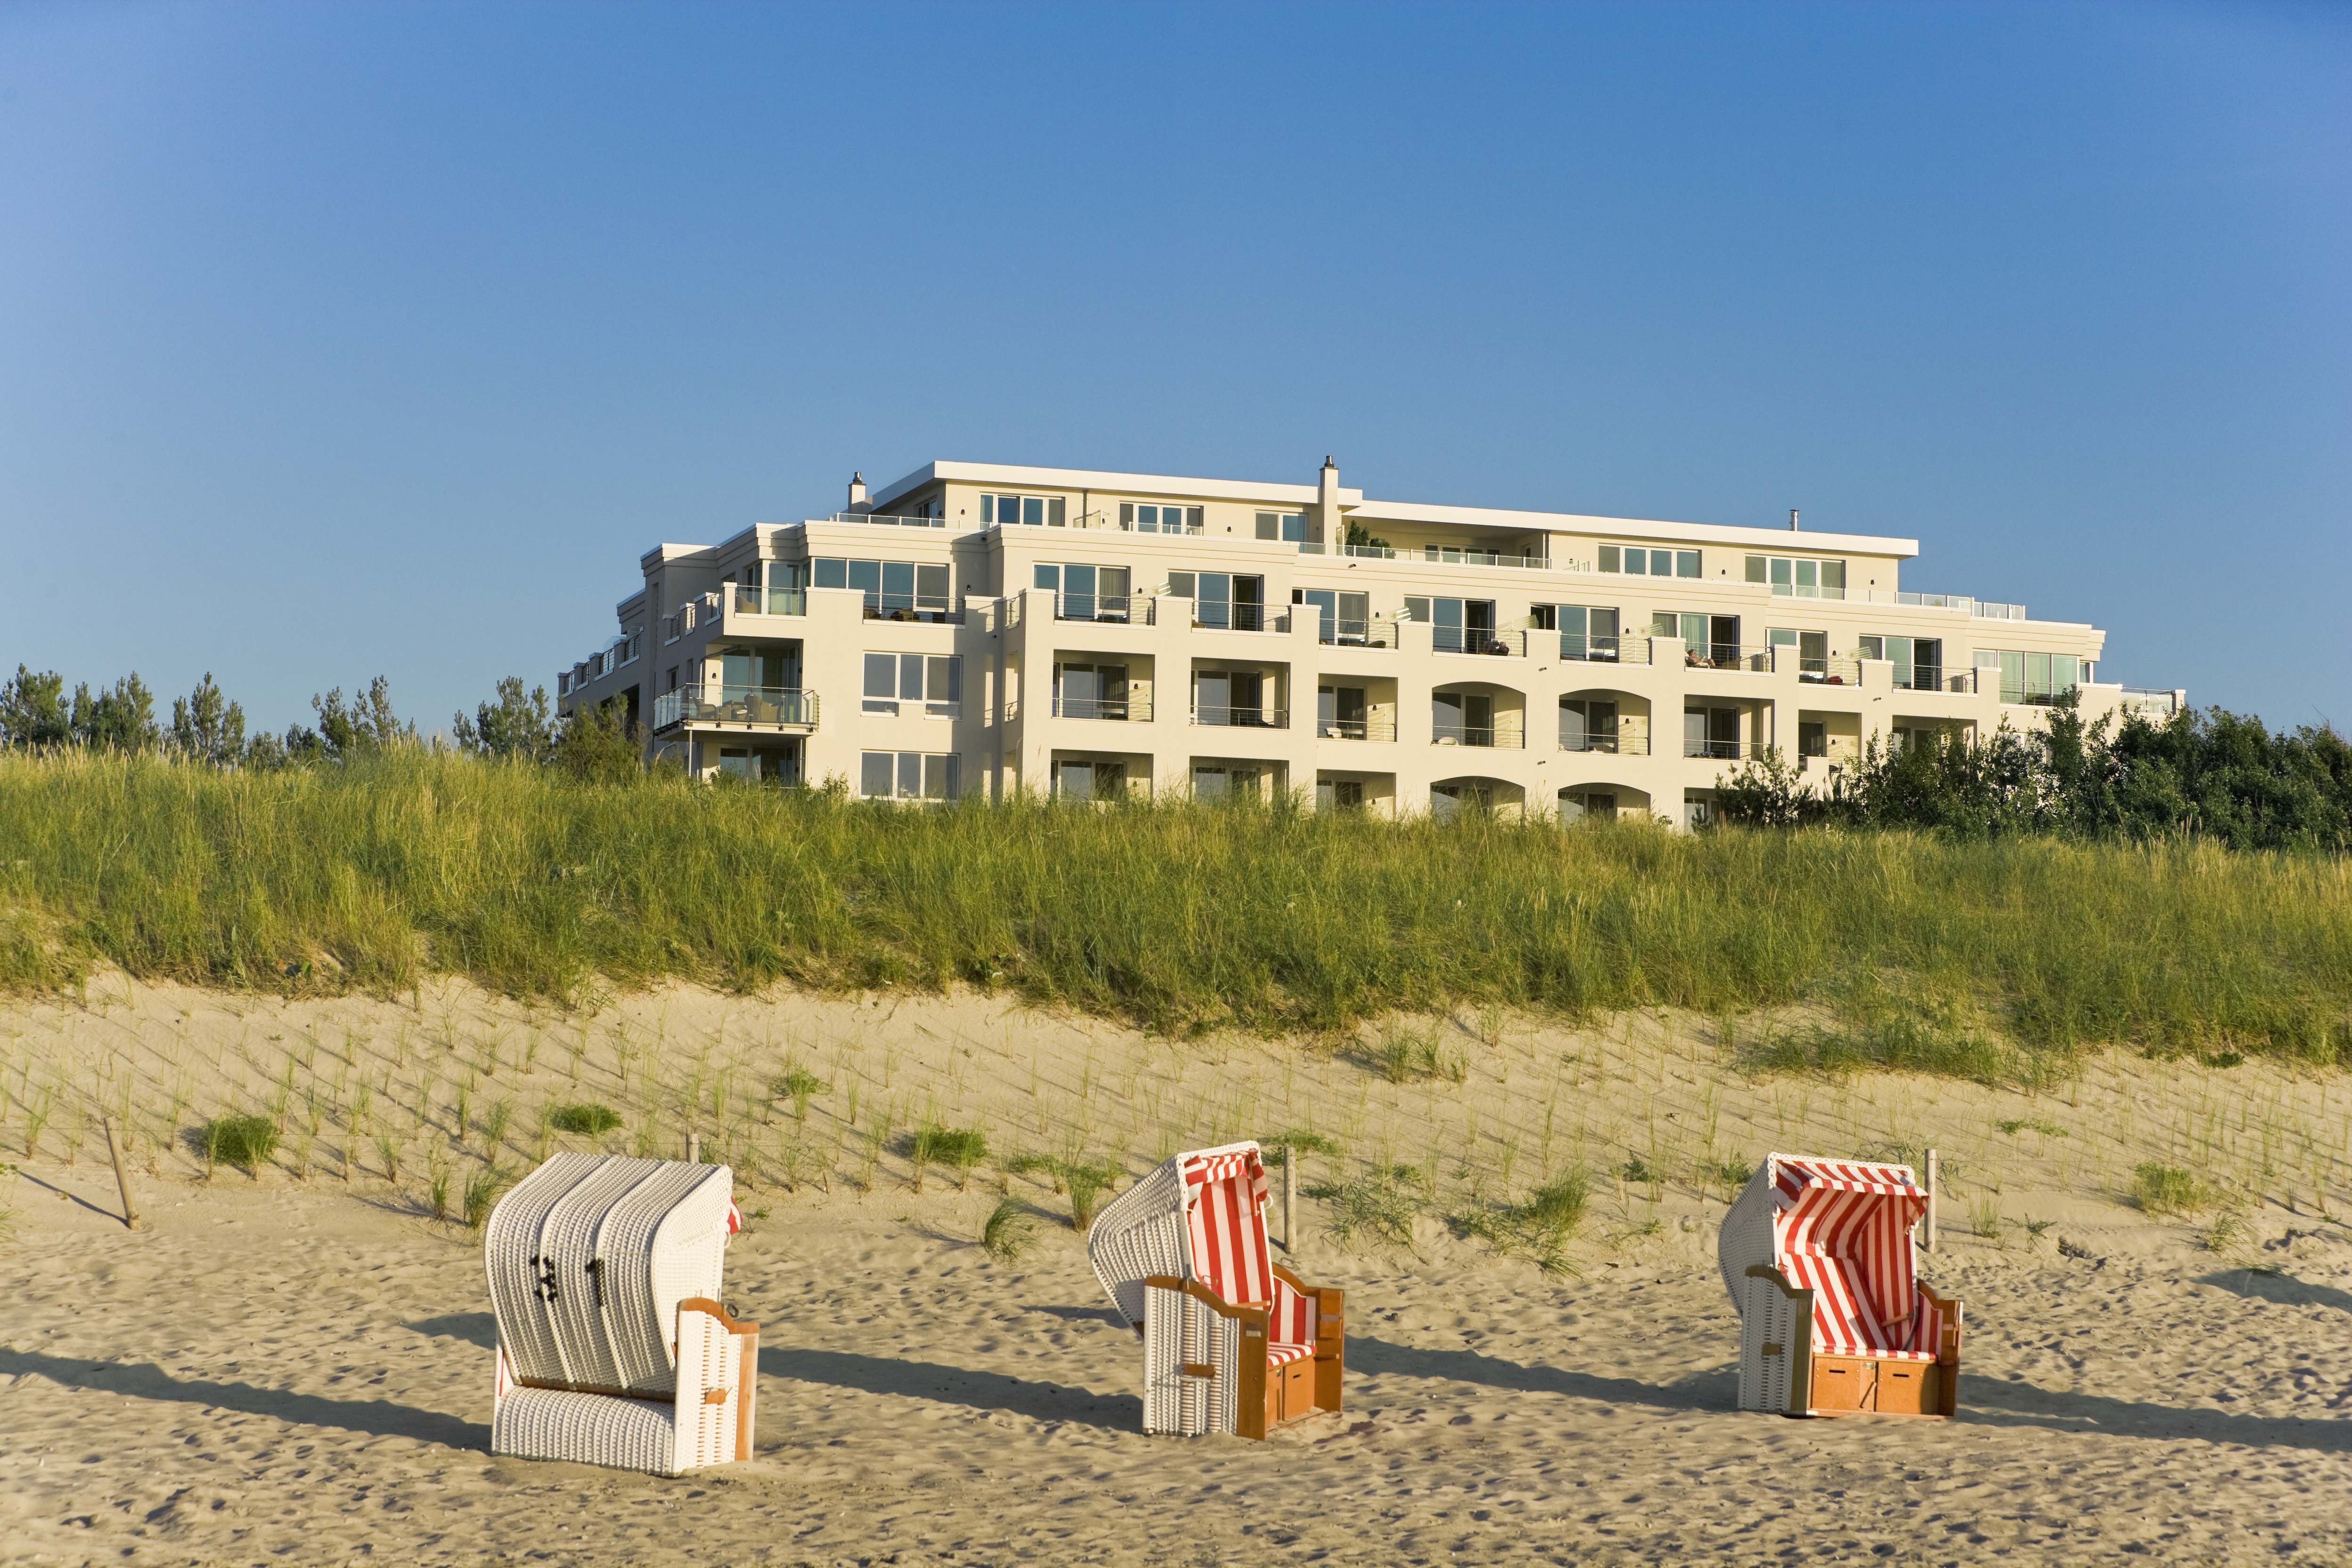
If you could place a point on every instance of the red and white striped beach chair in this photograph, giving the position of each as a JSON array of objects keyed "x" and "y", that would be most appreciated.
[
  {"x": 612, "y": 1348},
  {"x": 1231, "y": 1341},
  {"x": 1820, "y": 1260}
]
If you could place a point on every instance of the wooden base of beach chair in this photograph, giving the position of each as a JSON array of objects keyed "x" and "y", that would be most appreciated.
[
  {"x": 1208, "y": 1366},
  {"x": 1781, "y": 1372}
]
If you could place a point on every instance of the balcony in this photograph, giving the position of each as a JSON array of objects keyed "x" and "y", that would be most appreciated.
[
  {"x": 596, "y": 666},
  {"x": 1338, "y": 633},
  {"x": 1241, "y": 718},
  {"x": 1133, "y": 709},
  {"x": 1614, "y": 743},
  {"x": 883, "y": 519},
  {"x": 1444, "y": 554},
  {"x": 1724, "y": 750},
  {"x": 1936, "y": 678},
  {"x": 1115, "y": 609},
  {"x": 771, "y": 708},
  {"x": 1505, "y": 733},
  {"x": 2152, "y": 703},
  {"x": 1584, "y": 649},
  {"x": 750, "y": 599},
  {"x": 1830, "y": 671},
  {"x": 1755, "y": 659},
  {"x": 696, "y": 612},
  {"x": 1371, "y": 727},
  {"x": 1478, "y": 641},
  {"x": 1217, "y": 616}
]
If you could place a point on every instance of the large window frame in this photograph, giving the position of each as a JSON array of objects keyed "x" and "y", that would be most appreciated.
[
  {"x": 1645, "y": 561},
  {"x": 893, "y": 589},
  {"x": 908, "y": 775},
  {"x": 1799, "y": 577},
  {"x": 1013, "y": 511},
  {"x": 932, "y": 680}
]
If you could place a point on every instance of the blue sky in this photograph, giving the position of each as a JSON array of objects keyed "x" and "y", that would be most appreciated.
[{"x": 340, "y": 340}]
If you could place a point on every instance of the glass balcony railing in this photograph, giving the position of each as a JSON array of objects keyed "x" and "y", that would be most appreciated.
[
  {"x": 1243, "y": 717},
  {"x": 743, "y": 707}
]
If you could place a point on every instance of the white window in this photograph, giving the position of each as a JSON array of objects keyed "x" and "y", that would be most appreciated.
[
  {"x": 1640, "y": 560},
  {"x": 933, "y": 681},
  {"x": 906, "y": 776},
  {"x": 1798, "y": 576},
  {"x": 1290, "y": 527},
  {"x": 1084, "y": 593},
  {"x": 895, "y": 590},
  {"x": 1025, "y": 511},
  {"x": 1146, "y": 517}
]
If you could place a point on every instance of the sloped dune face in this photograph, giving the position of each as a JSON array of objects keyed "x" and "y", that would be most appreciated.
[{"x": 295, "y": 1365}]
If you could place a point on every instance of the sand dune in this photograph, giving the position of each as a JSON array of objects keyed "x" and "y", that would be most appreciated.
[{"x": 280, "y": 1370}]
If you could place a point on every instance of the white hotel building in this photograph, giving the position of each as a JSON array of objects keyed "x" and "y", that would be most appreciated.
[{"x": 981, "y": 629}]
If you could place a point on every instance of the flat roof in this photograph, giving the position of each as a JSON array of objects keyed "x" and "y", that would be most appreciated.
[{"x": 1354, "y": 503}]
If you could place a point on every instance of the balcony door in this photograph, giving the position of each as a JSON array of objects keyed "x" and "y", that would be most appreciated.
[
  {"x": 1587, "y": 724},
  {"x": 1711, "y": 732},
  {"x": 1462, "y": 717},
  {"x": 1229, "y": 697},
  {"x": 1340, "y": 713},
  {"x": 1345, "y": 618},
  {"x": 1090, "y": 691}
]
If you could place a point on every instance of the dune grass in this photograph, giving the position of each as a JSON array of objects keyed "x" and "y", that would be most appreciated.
[{"x": 1980, "y": 958}]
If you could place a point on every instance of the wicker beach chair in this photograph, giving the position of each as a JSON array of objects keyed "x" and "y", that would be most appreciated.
[
  {"x": 1231, "y": 1341},
  {"x": 612, "y": 1348},
  {"x": 1820, "y": 1258}
]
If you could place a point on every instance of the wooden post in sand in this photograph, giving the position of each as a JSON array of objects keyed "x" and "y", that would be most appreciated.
[
  {"x": 121, "y": 1181},
  {"x": 694, "y": 1148},
  {"x": 1930, "y": 1162},
  {"x": 1289, "y": 1197}
]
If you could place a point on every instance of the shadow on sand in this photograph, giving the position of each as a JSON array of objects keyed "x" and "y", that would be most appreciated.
[{"x": 144, "y": 1380}]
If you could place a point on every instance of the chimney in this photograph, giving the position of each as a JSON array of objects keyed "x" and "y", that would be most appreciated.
[
  {"x": 1327, "y": 528},
  {"x": 858, "y": 492},
  {"x": 1792, "y": 519}
]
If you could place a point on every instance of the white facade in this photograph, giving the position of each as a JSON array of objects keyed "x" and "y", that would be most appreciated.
[{"x": 979, "y": 629}]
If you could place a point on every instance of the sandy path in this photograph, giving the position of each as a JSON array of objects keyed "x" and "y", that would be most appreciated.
[{"x": 277, "y": 1371}]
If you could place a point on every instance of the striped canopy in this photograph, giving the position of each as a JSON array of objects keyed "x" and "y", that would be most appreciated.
[
  {"x": 1843, "y": 1230},
  {"x": 1225, "y": 1210}
]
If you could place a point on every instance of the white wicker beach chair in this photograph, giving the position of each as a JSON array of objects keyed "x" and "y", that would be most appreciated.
[
  {"x": 612, "y": 1347},
  {"x": 1820, "y": 1258},
  {"x": 1231, "y": 1341}
]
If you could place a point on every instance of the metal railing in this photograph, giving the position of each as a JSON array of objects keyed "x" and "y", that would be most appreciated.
[
  {"x": 1444, "y": 554},
  {"x": 1216, "y": 615},
  {"x": 1726, "y": 751},
  {"x": 1585, "y": 649},
  {"x": 885, "y": 519},
  {"x": 751, "y": 707},
  {"x": 2151, "y": 701},
  {"x": 1830, "y": 671},
  {"x": 1349, "y": 633},
  {"x": 1123, "y": 609},
  {"x": 1726, "y": 656},
  {"x": 1371, "y": 727},
  {"x": 1615, "y": 743},
  {"x": 1934, "y": 678},
  {"x": 1511, "y": 642},
  {"x": 1241, "y": 718},
  {"x": 1982, "y": 609},
  {"x": 750, "y": 599},
  {"x": 1135, "y": 708},
  {"x": 1503, "y": 734}
]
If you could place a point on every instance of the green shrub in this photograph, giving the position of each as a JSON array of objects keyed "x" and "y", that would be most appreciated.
[
  {"x": 1377, "y": 1208},
  {"x": 2161, "y": 1189},
  {"x": 587, "y": 1117},
  {"x": 1275, "y": 1148},
  {"x": 957, "y": 1148},
  {"x": 482, "y": 1190},
  {"x": 799, "y": 1086},
  {"x": 245, "y": 1141},
  {"x": 1009, "y": 1231},
  {"x": 1538, "y": 1228}
]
